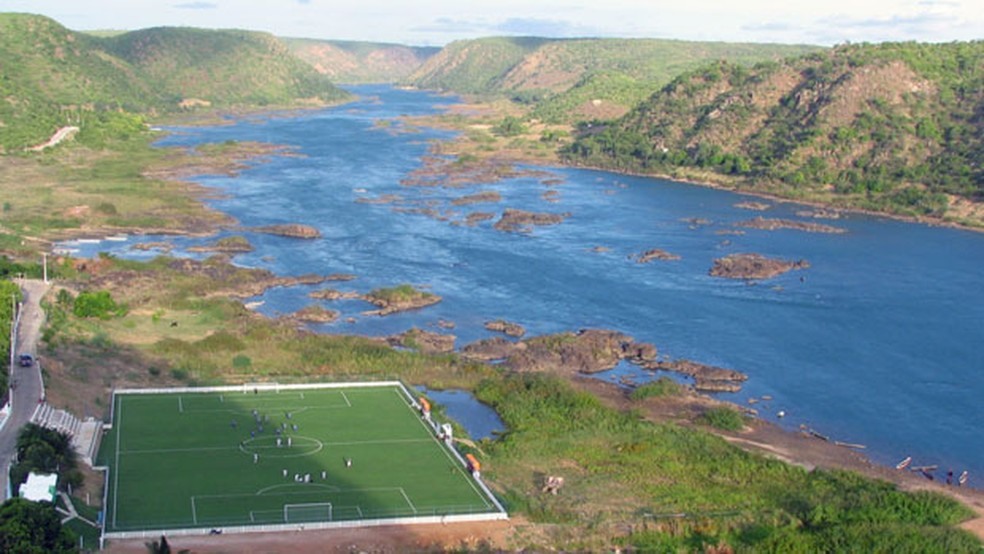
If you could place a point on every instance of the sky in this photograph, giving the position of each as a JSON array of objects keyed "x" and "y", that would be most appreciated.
[{"x": 438, "y": 22}]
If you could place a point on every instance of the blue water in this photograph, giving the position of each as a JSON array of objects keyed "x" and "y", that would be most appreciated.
[
  {"x": 879, "y": 343},
  {"x": 479, "y": 420}
]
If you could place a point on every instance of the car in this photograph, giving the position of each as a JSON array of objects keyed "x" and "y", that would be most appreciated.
[{"x": 26, "y": 360}]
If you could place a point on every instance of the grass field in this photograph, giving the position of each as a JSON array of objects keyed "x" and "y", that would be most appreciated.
[{"x": 211, "y": 459}]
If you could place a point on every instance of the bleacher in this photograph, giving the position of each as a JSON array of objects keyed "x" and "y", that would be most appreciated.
[{"x": 85, "y": 435}]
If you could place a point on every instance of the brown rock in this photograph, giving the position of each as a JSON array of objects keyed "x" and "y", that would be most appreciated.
[
  {"x": 753, "y": 266},
  {"x": 399, "y": 299},
  {"x": 707, "y": 378},
  {"x": 293, "y": 230},
  {"x": 332, "y": 294},
  {"x": 423, "y": 341},
  {"x": 655, "y": 254},
  {"x": 770, "y": 224},
  {"x": 523, "y": 221},
  {"x": 477, "y": 217},
  {"x": 587, "y": 351},
  {"x": 511, "y": 329},
  {"x": 496, "y": 348},
  {"x": 315, "y": 314},
  {"x": 478, "y": 198}
]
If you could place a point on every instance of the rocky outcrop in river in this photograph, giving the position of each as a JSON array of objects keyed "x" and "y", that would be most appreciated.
[
  {"x": 511, "y": 329},
  {"x": 655, "y": 254},
  {"x": 423, "y": 341},
  {"x": 523, "y": 221},
  {"x": 478, "y": 198},
  {"x": 293, "y": 230},
  {"x": 707, "y": 378},
  {"x": 771, "y": 224},
  {"x": 399, "y": 299},
  {"x": 587, "y": 351},
  {"x": 226, "y": 245},
  {"x": 753, "y": 266}
]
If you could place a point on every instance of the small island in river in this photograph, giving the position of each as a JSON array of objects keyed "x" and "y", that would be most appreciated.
[
  {"x": 772, "y": 224},
  {"x": 292, "y": 230},
  {"x": 753, "y": 266},
  {"x": 523, "y": 221},
  {"x": 399, "y": 299}
]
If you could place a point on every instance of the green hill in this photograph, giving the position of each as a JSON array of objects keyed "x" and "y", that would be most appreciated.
[
  {"x": 894, "y": 127},
  {"x": 576, "y": 79},
  {"x": 360, "y": 62},
  {"x": 475, "y": 66},
  {"x": 52, "y": 76},
  {"x": 224, "y": 67}
]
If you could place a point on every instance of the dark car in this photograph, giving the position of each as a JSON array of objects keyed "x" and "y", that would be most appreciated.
[{"x": 26, "y": 360}]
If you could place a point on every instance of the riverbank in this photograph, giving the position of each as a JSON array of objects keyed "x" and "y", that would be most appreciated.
[
  {"x": 179, "y": 327},
  {"x": 540, "y": 145}
]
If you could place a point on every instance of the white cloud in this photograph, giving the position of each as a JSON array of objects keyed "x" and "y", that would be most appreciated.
[{"x": 440, "y": 21}]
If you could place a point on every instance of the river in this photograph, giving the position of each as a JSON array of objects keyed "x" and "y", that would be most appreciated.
[{"x": 878, "y": 342}]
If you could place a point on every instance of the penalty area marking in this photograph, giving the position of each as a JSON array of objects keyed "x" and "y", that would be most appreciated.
[
  {"x": 347, "y": 403},
  {"x": 181, "y": 408}
]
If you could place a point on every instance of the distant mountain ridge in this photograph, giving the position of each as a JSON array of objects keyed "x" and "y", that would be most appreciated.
[
  {"x": 576, "y": 79},
  {"x": 52, "y": 76},
  {"x": 357, "y": 62},
  {"x": 890, "y": 127}
]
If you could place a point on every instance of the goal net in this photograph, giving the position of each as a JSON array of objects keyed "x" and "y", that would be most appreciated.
[{"x": 306, "y": 513}]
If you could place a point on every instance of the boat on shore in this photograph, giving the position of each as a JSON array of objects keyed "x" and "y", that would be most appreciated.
[{"x": 904, "y": 463}]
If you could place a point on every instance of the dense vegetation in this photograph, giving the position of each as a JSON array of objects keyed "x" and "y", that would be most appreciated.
[
  {"x": 44, "y": 450},
  {"x": 54, "y": 77},
  {"x": 569, "y": 79},
  {"x": 893, "y": 127},
  {"x": 666, "y": 489},
  {"x": 9, "y": 293},
  {"x": 33, "y": 528}
]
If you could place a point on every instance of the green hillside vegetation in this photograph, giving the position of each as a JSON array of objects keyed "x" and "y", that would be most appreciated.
[
  {"x": 54, "y": 77},
  {"x": 474, "y": 66},
  {"x": 357, "y": 62},
  {"x": 889, "y": 127},
  {"x": 571, "y": 79},
  {"x": 224, "y": 67}
]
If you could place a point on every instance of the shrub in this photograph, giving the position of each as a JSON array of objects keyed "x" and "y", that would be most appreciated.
[
  {"x": 664, "y": 386},
  {"x": 97, "y": 304},
  {"x": 727, "y": 419}
]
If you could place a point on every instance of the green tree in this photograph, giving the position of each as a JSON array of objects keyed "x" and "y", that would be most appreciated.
[
  {"x": 97, "y": 304},
  {"x": 33, "y": 528},
  {"x": 44, "y": 450}
]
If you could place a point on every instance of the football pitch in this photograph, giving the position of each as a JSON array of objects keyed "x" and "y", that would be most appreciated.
[{"x": 238, "y": 457}]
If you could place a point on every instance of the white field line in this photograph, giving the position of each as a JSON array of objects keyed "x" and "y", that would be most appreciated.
[
  {"x": 194, "y": 513},
  {"x": 291, "y": 409},
  {"x": 349, "y": 404},
  {"x": 454, "y": 463},
  {"x": 407, "y": 498},
  {"x": 116, "y": 467},
  {"x": 180, "y": 405},
  {"x": 270, "y": 447}
]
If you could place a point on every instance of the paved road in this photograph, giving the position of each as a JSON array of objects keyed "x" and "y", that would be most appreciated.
[{"x": 26, "y": 387}]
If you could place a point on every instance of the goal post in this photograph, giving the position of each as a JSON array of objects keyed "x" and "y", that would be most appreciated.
[{"x": 307, "y": 512}]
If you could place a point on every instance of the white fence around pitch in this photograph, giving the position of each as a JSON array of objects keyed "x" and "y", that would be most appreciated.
[
  {"x": 247, "y": 388},
  {"x": 487, "y": 516}
]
